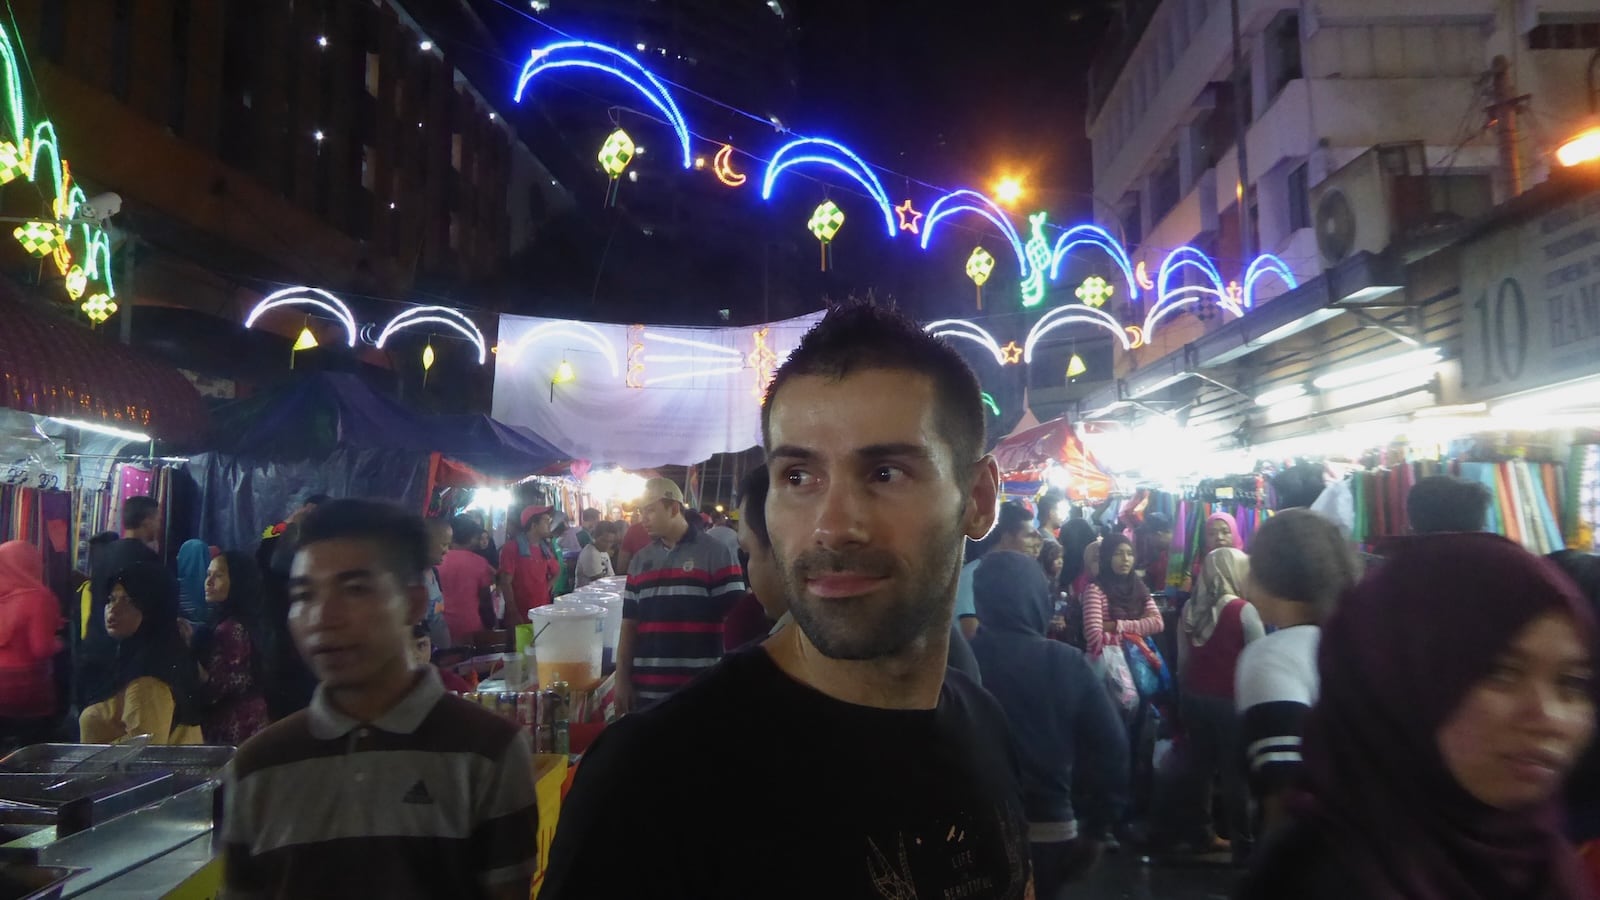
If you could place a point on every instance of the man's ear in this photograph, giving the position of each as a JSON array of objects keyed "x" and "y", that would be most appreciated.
[{"x": 983, "y": 498}]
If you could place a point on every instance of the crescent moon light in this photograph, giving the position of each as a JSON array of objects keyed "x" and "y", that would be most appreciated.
[{"x": 722, "y": 164}]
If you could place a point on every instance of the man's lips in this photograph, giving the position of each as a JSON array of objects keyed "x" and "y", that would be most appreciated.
[{"x": 843, "y": 584}]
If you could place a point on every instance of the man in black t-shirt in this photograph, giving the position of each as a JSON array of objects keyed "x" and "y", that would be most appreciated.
[{"x": 883, "y": 775}]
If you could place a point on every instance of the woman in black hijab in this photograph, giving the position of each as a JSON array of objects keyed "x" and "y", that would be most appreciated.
[
  {"x": 153, "y": 678},
  {"x": 234, "y": 651}
]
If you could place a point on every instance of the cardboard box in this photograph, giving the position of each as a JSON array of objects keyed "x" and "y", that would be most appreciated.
[{"x": 549, "y": 776}]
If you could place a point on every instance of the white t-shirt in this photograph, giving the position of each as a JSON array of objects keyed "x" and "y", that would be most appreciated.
[
  {"x": 593, "y": 565},
  {"x": 1281, "y": 667}
]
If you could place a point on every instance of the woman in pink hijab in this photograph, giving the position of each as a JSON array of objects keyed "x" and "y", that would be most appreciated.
[
  {"x": 1221, "y": 530},
  {"x": 29, "y": 619}
]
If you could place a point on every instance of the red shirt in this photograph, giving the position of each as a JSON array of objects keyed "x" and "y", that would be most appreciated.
[
  {"x": 636, "y": 538},
  {"x": 463, "y": 576},
  {"x": 1211, "y": 668},
  {"x": 531, "y": 578}
]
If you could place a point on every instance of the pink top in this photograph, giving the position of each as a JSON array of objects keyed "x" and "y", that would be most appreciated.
[
  {"x": 1097, "y": 632},
  {"x": 463, "y": 575}
]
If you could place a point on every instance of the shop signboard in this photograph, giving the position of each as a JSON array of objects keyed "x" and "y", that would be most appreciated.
[{"x": 1530, "y": 303}]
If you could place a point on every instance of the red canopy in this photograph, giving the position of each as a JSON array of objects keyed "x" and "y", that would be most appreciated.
[
  {"x": 52, "y": 367},
  {"x": 1025, "y": 455}
]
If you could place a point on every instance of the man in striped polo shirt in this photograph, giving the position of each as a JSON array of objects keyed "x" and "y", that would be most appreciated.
[
  {"x": 680, "y": 589},
  {"x": 385, "y": 786}
]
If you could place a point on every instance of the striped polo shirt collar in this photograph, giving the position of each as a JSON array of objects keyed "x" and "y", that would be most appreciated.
[{"x": 328, "y": 723}]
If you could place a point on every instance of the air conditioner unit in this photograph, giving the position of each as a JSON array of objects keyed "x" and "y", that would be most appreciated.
[{"x": 1376, "y": 197}]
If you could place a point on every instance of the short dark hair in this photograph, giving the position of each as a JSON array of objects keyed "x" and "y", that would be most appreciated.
[
  {"x": 1052, "y": 498},
  {"x": 589, "y": 515},
  {"x": 603, "y": 529},
  {"x": 1445, "y": 503},
  {"x": 464, "y": 529},
  {"x": 136, "y": 510},
  {"x": 1014, "y": 517},
  {"x": 1302, "y": 557},
  {"x": 860, "y": 337},
  {"x": 400, "y": 537},
  {"x": 753, "y": 497}
]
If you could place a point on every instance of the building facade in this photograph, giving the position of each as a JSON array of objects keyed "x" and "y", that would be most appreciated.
[{"x": 1374, "y": 134}]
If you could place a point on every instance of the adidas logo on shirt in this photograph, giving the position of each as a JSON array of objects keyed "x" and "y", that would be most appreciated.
[{"x": 418, "y": 794}]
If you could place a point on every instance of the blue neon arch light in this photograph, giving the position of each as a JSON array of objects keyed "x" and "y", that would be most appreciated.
[
  {"x": 965, "y": 201},
  {"x": 1094, "y": 236},
  {"x": 823, "y": 152},
  {"x": 613, "y": 62}
]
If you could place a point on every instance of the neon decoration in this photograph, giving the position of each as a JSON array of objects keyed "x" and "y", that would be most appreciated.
[
  {"x": 1076, "y": 366},
  {"x": 1094, "y": 291},
  {"x": 616, "y": 153},
  {"x": 306, "y": 340},
  {"x": 77, "y": 282},
  {"x": 99, "y": 308},
  {"x": 764, "y": 361},
  {"x": 1039, "y": 255},
  {"x": 1235, "y": 293},
  {"x": 1073, "y": 314},
  {"x": 1171, "y": 299},
  {"x": 613, "y": 62},
  {"x": 40, "y": 239},
  {"x": 965, "y": 201},
  {"x": 565, "y": 374},
  {"x": 436, "y": 315},
  {"x": 961, "y": 328},
  {"x": 1142, "y": 276},
  {"x": 722, "y": 166},
  {"x": 910, "y": 219},
  {"x": 635, "y": 377},
  {"x": 988, "y": 401},
  {"x": 1013, "y": 353},
  {"x": 826, "y": 220},
  {"x": 980, "y": 265},
  {"x": 13, "y": 162},
  {"x": 694, "y": 373},
  {"x": 1135, "y": 337},
  {"x": 576, "y": 332},
  {"x": 820, "y": 151},
  {"x": 307, "y": 296},
  {"x": 707, "y": 346},
  {"x": 427, "y": 357},
  {"x": 1262, "y": 266},
  {"x": 1094, "y": 236}
]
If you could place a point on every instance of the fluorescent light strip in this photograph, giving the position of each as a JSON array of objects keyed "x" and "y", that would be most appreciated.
[
  {"x": 1459, "y": 409},
  {"x": 1575, "y": 393},
  {"x": 699, "y": 373},
  {"x": 1281, "y": 395},
  {"x": 698, "y": 345},
  {"x": 1369, "y": 371},
  {"x": 98, "y": 428}
]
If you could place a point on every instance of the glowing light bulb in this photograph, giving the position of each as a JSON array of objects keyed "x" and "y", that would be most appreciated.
[
  {"x": 565, "y": 373},
  {"x": 1008, "y": 191},
  {"x": 306, "y": 340},
  {"x": 427, "y": 358},
  {"x": 1076, "y": 366}
]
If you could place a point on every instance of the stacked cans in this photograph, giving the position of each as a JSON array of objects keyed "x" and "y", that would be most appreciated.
[{"x": 543, "y": 714}]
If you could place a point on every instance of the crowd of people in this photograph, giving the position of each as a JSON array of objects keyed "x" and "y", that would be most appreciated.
[{"x": 914, "y": 688}]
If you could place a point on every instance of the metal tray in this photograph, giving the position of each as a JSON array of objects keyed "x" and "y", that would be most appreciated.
[{"x": 193, "y": 759}]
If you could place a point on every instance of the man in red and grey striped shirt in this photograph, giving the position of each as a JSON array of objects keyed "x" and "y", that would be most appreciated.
[{"x": 680, "y": 589}]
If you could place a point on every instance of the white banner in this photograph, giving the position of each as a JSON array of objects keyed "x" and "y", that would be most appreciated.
[{"x": 639, "y": 396}]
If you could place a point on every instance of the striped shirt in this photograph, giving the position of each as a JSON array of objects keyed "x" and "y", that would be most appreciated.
[
  {"x": 434, "y": 799},
  {"x": 1276, "y": 686},
  {"x": 1095, "y": 635},
  {"x": 679, "y": 597}
]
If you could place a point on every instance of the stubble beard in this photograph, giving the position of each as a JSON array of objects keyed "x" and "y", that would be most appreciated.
[{"x": 914, "y": 604}]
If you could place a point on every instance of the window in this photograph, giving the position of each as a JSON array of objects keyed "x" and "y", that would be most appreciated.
[
  {"x": 1567, "y": 36},
  {"x": 1299, "y": 193},
  {"x": 1457, "y": 196},
  {"x": 1283, "y": 52},
  {"x": 1164, "y": 190}
]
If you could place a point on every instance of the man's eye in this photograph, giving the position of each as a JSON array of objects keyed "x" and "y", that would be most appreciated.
[
  {"x": 798, "y": 478},
  {"x": 887, "y": 474}
]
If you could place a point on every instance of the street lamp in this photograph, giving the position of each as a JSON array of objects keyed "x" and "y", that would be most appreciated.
[
  {"x": 1583, "y": 147},
  {"x": 1008, "y": 191}
]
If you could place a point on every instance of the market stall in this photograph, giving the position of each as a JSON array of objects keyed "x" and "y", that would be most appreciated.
[{"x": 1048, "y": 455}]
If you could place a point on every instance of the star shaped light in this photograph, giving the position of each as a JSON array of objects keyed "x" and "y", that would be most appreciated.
[
  {"x": 910, "y": 219},
  {"x": 1012, "y": 353}
]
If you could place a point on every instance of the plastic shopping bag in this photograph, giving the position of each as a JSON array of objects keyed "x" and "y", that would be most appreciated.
[
  {"x": 1112, "y": 668},
  {"x": 1149, "y": 671}
]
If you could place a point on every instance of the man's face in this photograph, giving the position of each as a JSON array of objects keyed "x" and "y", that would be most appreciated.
[
  {"x": 351, "y": 616},
  {"x": 762, "y": 572},
  {"x": 438, "y": 545},
  {"x": 657, "y": 516},
  {"x": 590, "y": 521},
  {"x": 540, "y": 526},
  {"x": 868, "y": 509},
  {"x": 605, "y": 541}
]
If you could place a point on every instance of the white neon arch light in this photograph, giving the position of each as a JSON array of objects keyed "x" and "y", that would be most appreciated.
[
  {"x": 571, "y": 54},
  {"x": 307, "y": 296},
  {"x": 974, "y": 202},
  {"x": 436, "y": 315},
  {"x": 1074, "y": 314},
  {"x": 578, "y": 332},
  {"x": 1094, "y": 236},
  {"x": 961, "y": 328}
]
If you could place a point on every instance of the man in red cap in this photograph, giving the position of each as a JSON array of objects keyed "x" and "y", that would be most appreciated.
[{"x": 528, "y": 567}]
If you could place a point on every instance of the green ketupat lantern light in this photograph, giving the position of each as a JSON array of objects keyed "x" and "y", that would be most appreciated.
[
  {"x": 40, "y": 238},
  {"x": 980, "y": 265},
  {"x": 99, "y": 308},
  {"x": 616, "y": 153},
  {"x": 1094, "y": 291},
  {"x": 826, "y": 220}
]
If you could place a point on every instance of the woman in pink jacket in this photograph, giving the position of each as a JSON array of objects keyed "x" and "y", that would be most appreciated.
[{"x": 29, "y": 620}]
